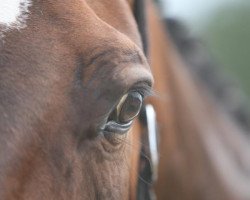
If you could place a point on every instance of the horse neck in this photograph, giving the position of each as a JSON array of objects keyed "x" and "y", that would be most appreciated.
[
  {"x": 213, "y": 142},
  {"x": 203, "y": 146}
]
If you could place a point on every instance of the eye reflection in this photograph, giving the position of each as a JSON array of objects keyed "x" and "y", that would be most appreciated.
[{"x": 129, "y": 107}]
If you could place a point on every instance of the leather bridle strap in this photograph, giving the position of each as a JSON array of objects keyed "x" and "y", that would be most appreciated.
[
  {"x": 148, "y": 162},
  {"x": 152, "y": 139},
  {"x": 140, "y": 17}
]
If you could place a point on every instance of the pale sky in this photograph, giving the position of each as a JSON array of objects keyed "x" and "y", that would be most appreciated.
[{"x": 194, "y": 10}]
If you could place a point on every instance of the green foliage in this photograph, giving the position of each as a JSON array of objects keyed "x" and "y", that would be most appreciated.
[{"x": 227, "y": 35}]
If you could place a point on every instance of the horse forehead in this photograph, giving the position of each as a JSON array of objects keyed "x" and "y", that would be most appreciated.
[
  {"x": 92, "y": 21},
  {"x": 117, "y": 14},
  {"x": 14, "y": 12}
]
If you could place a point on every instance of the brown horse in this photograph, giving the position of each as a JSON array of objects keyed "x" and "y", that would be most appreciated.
[
  {"x": 72, "y": 79},
  {"x": 204, "y": 152}
]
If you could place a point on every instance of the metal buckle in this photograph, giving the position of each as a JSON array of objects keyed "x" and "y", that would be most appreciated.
[{"x": 152, "y": 139}]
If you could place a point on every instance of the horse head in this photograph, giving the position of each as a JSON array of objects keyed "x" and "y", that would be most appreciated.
[{"x": 73, "y": 77}]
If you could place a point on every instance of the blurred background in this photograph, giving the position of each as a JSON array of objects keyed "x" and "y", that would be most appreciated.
[{"x": 224, "y": 28}]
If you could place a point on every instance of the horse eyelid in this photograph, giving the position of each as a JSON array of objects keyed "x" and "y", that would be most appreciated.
[{"x": 143, "y": 87}]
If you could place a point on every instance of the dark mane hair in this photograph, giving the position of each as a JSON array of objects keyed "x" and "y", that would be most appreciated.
[
  {"x": 201, "y": 64},
  {"x": 140, "y": 17}
]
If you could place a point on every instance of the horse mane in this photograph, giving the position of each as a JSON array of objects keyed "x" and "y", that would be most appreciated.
[
  {"x": 201, "y": 65},
  {"x": 140, "y": 17}
]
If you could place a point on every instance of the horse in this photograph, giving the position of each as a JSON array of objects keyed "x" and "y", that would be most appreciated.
[
  {"x": 73, "y": 77},
  {"x": 203, "y": 149},
  {"x": 202, "y": 65}
]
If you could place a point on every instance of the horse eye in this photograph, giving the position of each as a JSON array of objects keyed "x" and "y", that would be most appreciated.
[{"x": 129, "y": 107}]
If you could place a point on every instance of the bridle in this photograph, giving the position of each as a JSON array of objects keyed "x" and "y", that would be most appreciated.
[
  {"x": 152, "y": 139},
  {"x": 148, "y": 162}
]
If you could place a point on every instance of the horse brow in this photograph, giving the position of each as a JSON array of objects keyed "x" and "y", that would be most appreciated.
[
  {"x": 100, "y": 55},
  {"x": 108, "y": 54}
]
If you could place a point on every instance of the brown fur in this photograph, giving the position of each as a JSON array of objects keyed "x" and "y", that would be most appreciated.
[
  {"x": 200, "y": 145},
  {"x": 59, "y": 79}
]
